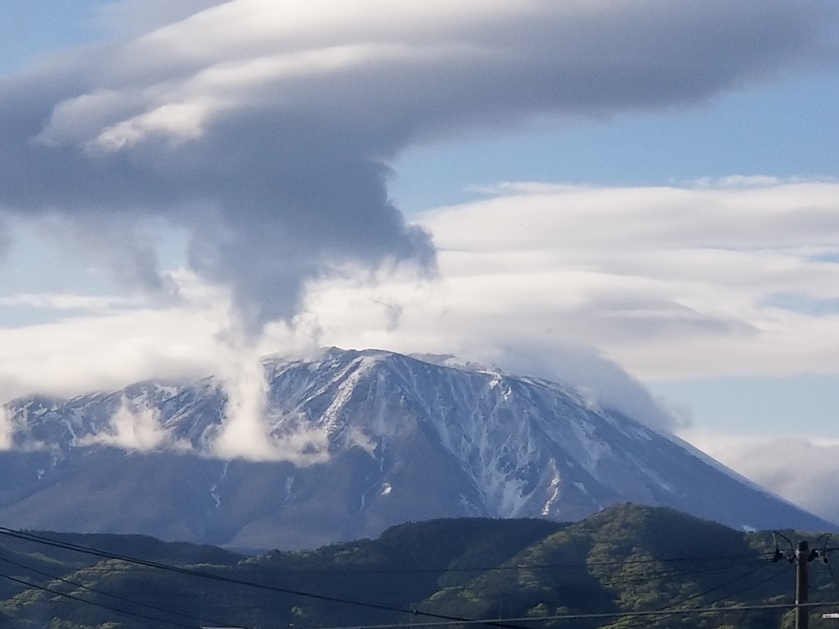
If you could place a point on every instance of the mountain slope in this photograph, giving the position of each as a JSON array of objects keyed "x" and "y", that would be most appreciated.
[{"x": 372, "y": 439}]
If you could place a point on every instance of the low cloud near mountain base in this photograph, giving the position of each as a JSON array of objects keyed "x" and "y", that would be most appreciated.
[{"x": 803, "y": 471}]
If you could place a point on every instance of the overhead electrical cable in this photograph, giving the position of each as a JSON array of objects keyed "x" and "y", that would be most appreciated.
[
  {"x": 503, "y": 568},
  {"x": 242, "y": 582},
  {"x": 488, "y": 592},
  {"x": 679, "y": 604},
  {"x": 119, "y": 597},
  {"x": 595, "y": 616},
  {"x": 94, "y": 603},
  {"x": 447, "y": 620}
]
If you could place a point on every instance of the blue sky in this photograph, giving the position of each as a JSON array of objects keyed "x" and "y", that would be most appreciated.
[
  {"x": 30, "y": 30},
  {"x": 682, "y": 224},
  {"x": 781, "y": 128}
]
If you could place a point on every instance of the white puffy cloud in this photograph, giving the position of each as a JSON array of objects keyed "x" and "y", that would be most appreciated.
[
  {"x": 248, "y": 431},
  {"x": 106, "y": 350},
  {"x": 133, "y": 429}
]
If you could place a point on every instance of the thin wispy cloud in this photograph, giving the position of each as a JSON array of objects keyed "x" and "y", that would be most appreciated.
[{"x": 726, "y": 275}]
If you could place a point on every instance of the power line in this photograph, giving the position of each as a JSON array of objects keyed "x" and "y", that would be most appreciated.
[
  {"x": 746, "y": 588},
  {"x": 504, "y": 568},
  {"x": 109, "y": 594},
  {"x": 103, "y": 606},
  {"x": 674, "y": 606},
  {"x": 832, "y": 576},
  {"x": 488, "y": 592},
  {"x": 595, "y": 616},
  {"x": 342, "y": 570},
  {"x": 108, "y": 555},
  {"x": 242, "y": 582},
  {"x": 450, "y": 593},
  {"x": 446, "y": 619}
]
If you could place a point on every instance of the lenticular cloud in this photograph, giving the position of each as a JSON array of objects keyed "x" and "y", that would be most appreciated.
[{"x": 266, "y": 130}]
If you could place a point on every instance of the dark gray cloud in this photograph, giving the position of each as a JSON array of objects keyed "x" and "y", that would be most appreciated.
[{"x": 265, "y": 130}]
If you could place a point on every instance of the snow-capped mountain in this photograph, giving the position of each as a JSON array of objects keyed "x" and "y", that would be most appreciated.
[{"x": 357, "y": 441}]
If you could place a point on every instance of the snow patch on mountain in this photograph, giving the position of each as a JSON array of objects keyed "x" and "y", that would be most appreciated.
[{"x": 553, "y": 485}]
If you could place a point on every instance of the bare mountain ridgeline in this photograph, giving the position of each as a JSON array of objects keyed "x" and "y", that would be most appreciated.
[{"x": 355, "y": 442}]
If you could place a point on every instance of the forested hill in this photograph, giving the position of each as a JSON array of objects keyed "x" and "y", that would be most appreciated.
[{"x": 517, "y": 573}]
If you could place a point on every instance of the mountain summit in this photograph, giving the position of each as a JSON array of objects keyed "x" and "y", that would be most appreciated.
[{"x": 352, "y": 443}]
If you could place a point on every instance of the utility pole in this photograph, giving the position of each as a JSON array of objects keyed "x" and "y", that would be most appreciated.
[{"x": 802, "y": 558}]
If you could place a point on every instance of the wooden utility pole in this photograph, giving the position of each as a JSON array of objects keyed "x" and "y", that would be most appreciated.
[{"x": 802, "y": 558}]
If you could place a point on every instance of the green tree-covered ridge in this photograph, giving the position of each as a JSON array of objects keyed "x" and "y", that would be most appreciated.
[{"x": 625, "y": 559}]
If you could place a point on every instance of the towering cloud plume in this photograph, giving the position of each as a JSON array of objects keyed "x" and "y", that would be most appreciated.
[
  {"x": 6, "y": 431},
  {"x": 265, "y": 129}
]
